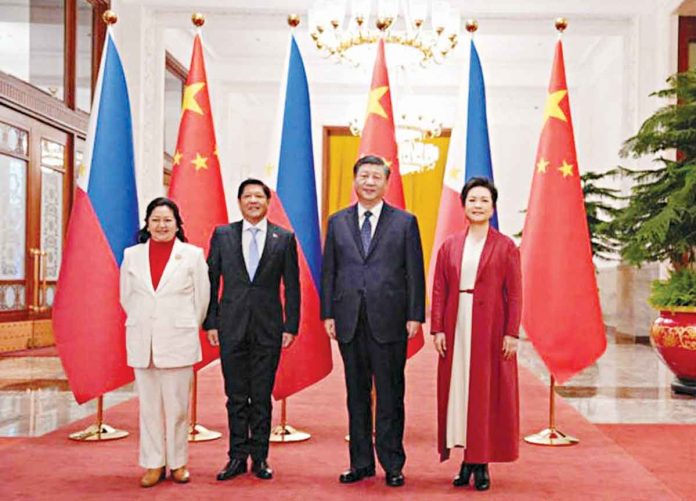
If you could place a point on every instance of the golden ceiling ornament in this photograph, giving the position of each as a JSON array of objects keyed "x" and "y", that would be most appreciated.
[{"x": 423, "y": 36}]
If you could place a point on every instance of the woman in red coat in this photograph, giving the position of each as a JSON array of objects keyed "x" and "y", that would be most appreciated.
[{"x": 476, "y": 308}]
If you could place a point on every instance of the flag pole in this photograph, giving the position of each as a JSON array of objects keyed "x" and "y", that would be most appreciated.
[
  {"x": 551, "y": 436},
  {"x": 284, "y": 433},
  {"x": 99, "y": 431},
  {"x": 198, "y": 432}
]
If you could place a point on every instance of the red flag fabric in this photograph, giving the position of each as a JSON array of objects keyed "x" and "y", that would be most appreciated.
[
  {"x": 561, "y": 312},
  {"x": 378, "y": 138},
  {"x": 196, "y": 184}
]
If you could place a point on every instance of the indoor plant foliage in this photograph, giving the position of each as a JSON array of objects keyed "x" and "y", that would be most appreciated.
[
  {"x": 600, "y": 206},
  {"x": 659, "y": 223}
]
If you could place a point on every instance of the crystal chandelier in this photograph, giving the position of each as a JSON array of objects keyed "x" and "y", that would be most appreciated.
[
  {"x": 407, "y": 31},
  {"x": 412, "y": 131}
]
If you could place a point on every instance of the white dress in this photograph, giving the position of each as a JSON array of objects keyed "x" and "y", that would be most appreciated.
[{"x": 458, "y": 401}]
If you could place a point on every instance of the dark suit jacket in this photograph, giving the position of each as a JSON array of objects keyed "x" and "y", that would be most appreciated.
[
  {"x": 242, "y": 298},
  {"x": 390, "y": 276}
]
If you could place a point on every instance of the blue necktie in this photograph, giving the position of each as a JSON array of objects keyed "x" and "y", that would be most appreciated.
[
  {"x": 366, "y": 231},
  {"x": 253, "y": 254}
]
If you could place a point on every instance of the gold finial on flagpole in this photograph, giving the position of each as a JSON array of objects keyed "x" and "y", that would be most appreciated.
[
  {"x": 561, "y": 24},
  {"x": 471, "y": 25},
  {"x": 197, "y": 19},
  {"x": 293, "y": 20},
  {"x": 110, "y": 17}
]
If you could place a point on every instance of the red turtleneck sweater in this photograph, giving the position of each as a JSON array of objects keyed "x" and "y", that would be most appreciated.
[{"x": 159, "y": 255}]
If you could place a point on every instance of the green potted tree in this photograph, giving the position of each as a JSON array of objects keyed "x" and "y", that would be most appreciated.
[{"x": 659, "y": 223}]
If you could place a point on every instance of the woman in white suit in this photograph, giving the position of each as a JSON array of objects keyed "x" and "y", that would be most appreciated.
[{"x": 165, "y": 293}]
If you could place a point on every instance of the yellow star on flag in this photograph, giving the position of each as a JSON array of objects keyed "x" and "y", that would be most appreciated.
[
  {"x": 189, "y": 101},
  {"x": 454, "y": 173},
  {"x": 268, "y": 169},
  {"x": 542, "y": 165},
  {"x": 216, "y": 151},
  {"x": 200, "y": 162},
  {"x": 553, "y": 108},
  {"x": 566, "y": 169},
  {"x": 81, "y": 171},
  {"x": 177, "y": 158},
  {"x": 373, "y": 105}
]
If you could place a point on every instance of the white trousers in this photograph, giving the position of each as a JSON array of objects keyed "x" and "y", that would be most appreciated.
[{"x": 164, "y": 421}]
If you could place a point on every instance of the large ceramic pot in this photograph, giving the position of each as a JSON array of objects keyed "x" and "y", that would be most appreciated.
[{"x": 673, "y": 335}]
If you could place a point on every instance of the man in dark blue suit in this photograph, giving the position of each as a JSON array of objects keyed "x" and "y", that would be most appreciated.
[{"x": 372, "y": 302}]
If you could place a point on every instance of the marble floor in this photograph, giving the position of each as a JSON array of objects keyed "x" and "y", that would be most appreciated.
[{"x": 628, "y": 384}]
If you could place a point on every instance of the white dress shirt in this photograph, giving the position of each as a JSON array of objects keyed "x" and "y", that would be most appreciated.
[
  {"x": 374, "y": 219},
  {"x": 247, "y": 235}
]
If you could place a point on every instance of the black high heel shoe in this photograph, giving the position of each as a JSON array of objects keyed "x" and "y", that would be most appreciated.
[
  {"x": 482, "y": 480},
  {"x": 464, "y": 475}
]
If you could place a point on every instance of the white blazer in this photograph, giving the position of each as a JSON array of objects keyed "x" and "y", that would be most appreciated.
[{"x": 162, "y": 325}]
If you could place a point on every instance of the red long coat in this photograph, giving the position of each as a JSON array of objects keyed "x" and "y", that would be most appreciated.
[{"x": 493, "y": 413}]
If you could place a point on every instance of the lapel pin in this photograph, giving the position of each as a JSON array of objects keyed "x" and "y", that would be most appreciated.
[{"x": 275, "y": 235}]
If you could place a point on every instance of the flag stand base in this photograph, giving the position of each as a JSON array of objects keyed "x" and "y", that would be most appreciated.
[
  {"x": 284, "y": 433},
  {"x": 199, "y": 433},
  {"x": 551, "y": 437},
  {"x": 98, "y": 432}
]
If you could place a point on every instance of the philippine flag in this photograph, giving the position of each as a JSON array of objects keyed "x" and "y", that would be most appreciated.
[
  {"x": 294, "y": 206},
  {"x": 88, "y": 320},
  {"x": 470, "y": 144}
]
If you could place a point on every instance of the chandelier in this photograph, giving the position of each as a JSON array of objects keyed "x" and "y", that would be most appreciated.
[
  {"x": 412, "y": 131},
  {"x": 407, "y": 30}
]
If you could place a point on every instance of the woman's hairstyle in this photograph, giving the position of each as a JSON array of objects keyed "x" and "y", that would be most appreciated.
[
  {"x": 483, "y": 182},
  {"x": 144, "y": 234}
]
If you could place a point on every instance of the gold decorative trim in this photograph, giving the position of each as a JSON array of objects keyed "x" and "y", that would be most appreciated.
[
  {"x": 43, "y": 334},
  {"x": 15, "y": 336},
  {"x": 676, "y": 309},
  {"x": 674, "y": 337}
]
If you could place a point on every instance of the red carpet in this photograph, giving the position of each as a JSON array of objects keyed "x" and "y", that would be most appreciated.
[
  {"x": 52, "y": 467},
  {"x": 667, "y": 451}
]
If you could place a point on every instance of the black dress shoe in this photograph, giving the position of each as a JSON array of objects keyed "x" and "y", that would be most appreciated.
[
  {"x": 395, "y": 479},
  {"x": 233, "y": 468},
  {"x": 464, "y": 475},
  {"x": 356, "y": 474},
  {"x": 482, "y": 480},
  {"x": 262, "y": 470}
]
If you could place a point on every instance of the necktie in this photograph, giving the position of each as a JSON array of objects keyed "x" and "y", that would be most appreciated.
[
  {"x": 253, "y": 254},
  {"x": 366, "y": 231}
]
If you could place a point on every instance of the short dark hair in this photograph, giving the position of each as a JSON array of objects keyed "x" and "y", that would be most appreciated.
[
  {"x": 144, "y": 234},
  {"x": 483, "y": 182},
  {"x": 372, "y": 160},
  {"x": 252, "y": 181}
]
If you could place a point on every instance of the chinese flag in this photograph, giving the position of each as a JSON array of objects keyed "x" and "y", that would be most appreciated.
[
  {"x": 561, "y": 312},
  {"x": 378, "y": 138},
  {"x": 196, "y": 184}
]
